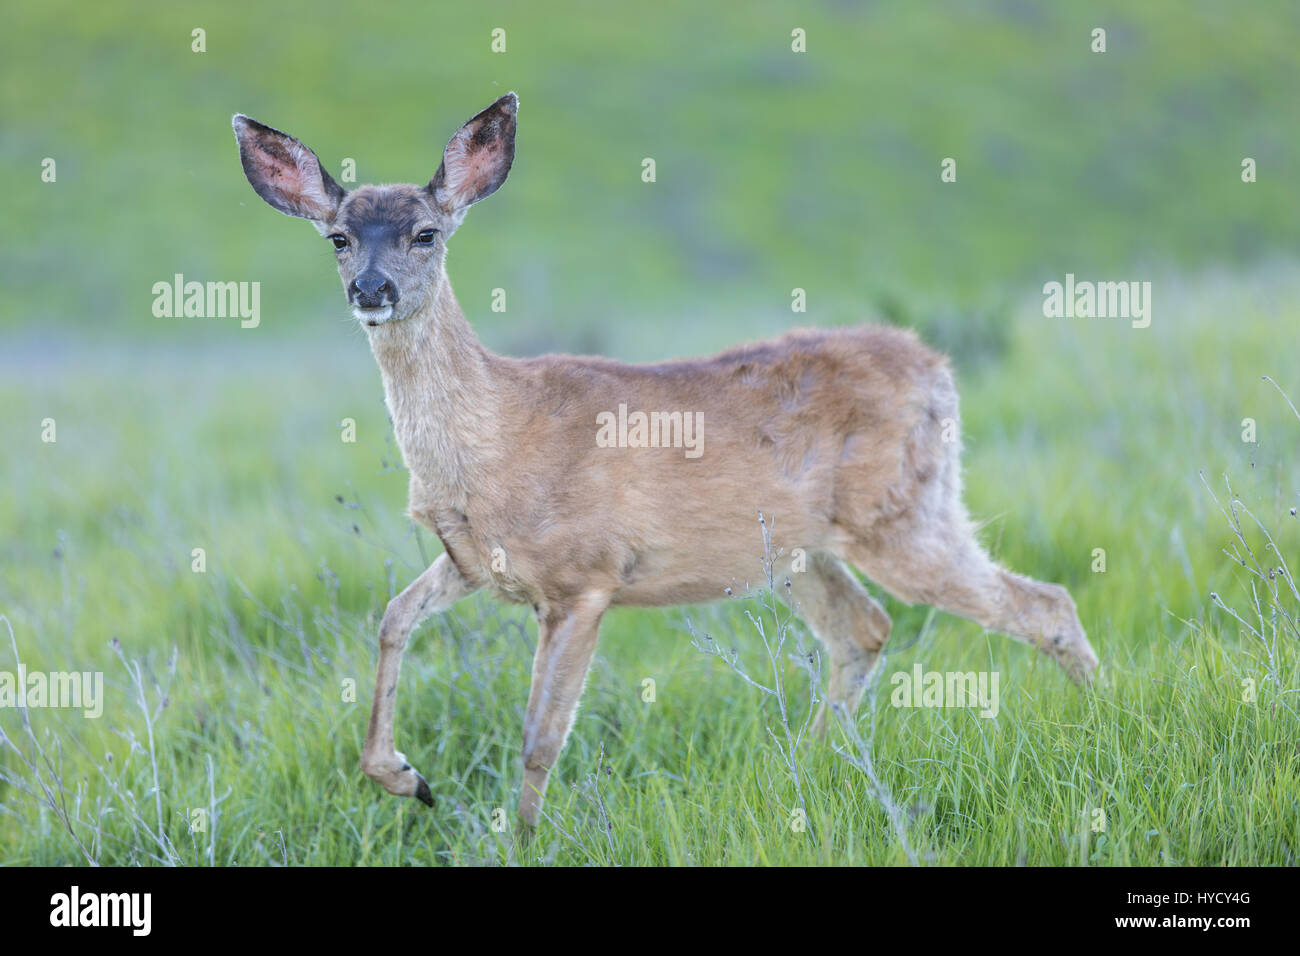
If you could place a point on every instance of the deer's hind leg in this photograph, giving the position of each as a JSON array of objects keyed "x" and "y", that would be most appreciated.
[
  {"x": 847, "y": 620},
  {"x": 918, "y": 543},
  {"x": 930, "y": 555}
]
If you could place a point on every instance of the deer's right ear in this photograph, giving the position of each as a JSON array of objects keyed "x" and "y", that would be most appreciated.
[{"x": 286, "y": 173}]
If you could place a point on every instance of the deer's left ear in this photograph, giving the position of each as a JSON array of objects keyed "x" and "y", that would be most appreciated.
[
  {"x": 286, "y": 173},
  {"x": 478, "y": 157}
]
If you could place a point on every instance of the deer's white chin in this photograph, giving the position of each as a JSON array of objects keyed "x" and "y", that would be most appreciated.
[{"x": 374, "y": 317}]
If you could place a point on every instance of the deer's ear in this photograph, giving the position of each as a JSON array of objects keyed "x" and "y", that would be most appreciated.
[
  {"x": 286, "y": 173},
  {"x": 478, "y": 157}
]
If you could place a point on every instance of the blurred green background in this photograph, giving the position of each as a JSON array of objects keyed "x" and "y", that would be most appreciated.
[{"x": 775, "y": 171}]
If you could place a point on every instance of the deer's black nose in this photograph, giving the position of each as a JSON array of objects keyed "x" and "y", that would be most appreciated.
[{"x": 370, "y": 289}]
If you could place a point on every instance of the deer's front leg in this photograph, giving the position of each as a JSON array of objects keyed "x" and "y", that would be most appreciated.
[
  {"x": 566, "y": 640},
  {"x": 435, "y": 590}
]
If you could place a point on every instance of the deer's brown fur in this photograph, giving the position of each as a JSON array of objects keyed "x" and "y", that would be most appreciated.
[{"x": 838, "y": 434}]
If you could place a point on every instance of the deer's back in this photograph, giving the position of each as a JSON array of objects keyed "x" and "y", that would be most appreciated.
[{"x": 817, "y": 429}]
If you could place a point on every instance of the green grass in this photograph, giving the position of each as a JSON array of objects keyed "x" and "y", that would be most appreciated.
[{"x": 238, "y": 451}]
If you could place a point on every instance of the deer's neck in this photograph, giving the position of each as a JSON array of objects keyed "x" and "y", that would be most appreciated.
[{"x": 440, "y": 393}]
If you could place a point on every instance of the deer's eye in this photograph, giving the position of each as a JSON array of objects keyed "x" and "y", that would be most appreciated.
[
  {"x": 425, "y": 237},
  {"x": 340, "y": 241}
]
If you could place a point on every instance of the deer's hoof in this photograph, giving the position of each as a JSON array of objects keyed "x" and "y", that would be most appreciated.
[
  {"x": 422, "y": 790},
  {"x": 398, "y": 777}
]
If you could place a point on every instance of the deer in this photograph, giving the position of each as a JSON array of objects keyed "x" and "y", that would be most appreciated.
[{"x": 849, "y": 437}]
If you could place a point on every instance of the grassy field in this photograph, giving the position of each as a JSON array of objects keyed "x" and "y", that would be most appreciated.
[
  {"x": 240, "y": 454},
  {"x": 241, "y": 689}
]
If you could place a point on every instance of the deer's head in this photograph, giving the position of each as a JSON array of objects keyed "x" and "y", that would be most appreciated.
[{"x": 390, "y": 241}]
